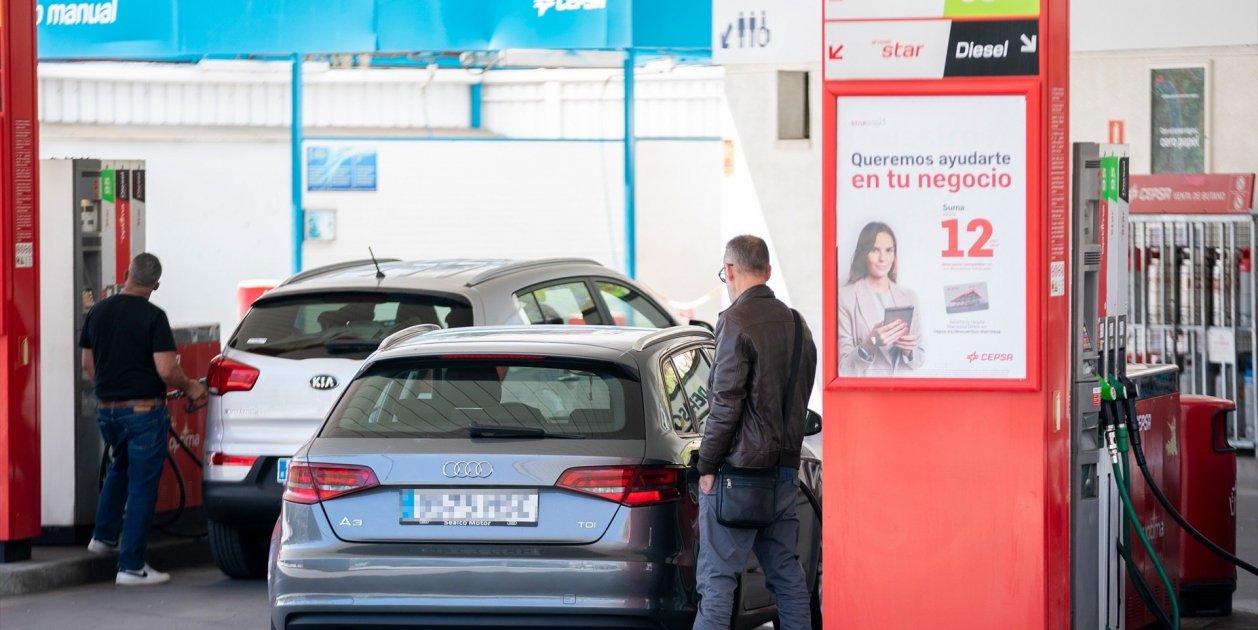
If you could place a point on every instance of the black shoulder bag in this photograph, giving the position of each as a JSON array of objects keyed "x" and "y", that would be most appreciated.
[{"x": 746, "y": 498}]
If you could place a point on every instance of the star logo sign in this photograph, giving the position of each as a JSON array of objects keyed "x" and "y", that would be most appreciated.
[
  {"x": 1172, "y": 442},
  {"x": 973, "y": 356}
]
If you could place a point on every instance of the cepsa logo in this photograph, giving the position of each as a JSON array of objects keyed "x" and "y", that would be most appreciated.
[
  {"x": 990, "y": 357},
  {"x": 1151, "y": 193}
]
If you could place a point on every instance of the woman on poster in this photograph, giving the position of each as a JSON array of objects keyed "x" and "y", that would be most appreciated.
[{"x": 880, "y": 323}]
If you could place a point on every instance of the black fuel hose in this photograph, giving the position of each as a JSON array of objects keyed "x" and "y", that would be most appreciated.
[
  {"x": 183, "y": 493},
  {"x": 1138, "y": 450},
  {"x": 164, "y": 526},
  {"x": 1146, "y": 594},
  {"x": 1122, "y": 415},
  {"x": 180, "y": 483}
]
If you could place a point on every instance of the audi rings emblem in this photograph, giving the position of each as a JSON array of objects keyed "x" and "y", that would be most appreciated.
[{"x": 466, "y": 470}]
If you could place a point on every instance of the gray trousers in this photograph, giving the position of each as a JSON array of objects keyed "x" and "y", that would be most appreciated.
[{"x": 723, "y": 553}]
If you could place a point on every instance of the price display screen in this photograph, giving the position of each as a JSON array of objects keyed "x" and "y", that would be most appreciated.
[{"x": 931, "y": 228}]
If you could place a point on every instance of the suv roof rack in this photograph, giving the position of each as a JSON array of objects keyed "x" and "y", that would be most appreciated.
[
  {"x": 406, "y": 333},
  {"x": 510, "y": 268},
  {"x": 671, "y": 333},
  {"x": 341, "y": 266}
]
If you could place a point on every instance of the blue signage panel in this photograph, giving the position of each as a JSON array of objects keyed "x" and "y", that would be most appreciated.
[
  {"x": 499, "y": 24},
  {"x": 192, "y": 29},
  {"x": 563, "y": 24},
  {"x": 340, "y": 168},
  {"x": 672, "y": 24},
  {"x": 404, "y": 25},
  {"x": 277, "y": 26},
  {"x": 132, "y": 29}
]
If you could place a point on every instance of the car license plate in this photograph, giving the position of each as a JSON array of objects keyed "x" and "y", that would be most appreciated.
[
  {"x": 281, "y": 469},
  {"x": 479, "y": 507}
]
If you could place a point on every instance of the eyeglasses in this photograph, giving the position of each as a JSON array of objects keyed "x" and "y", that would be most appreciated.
[{"x": 721, "y": 274}]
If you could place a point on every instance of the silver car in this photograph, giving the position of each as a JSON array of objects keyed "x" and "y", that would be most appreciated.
[
  {"x": 290, "y": 357},
  {"x": 513, "y": 477}
]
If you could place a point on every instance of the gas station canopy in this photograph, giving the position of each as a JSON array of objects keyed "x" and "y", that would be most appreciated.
[{"x": 187, "y": 30}]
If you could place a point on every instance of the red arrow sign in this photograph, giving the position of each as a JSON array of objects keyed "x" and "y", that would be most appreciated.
[{"x": 836, "y": 52}]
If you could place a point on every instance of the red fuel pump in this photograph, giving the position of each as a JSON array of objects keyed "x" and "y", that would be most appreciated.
[
  {"x": 1159, "y": 422},
  {"x": 180, "y": 488},
  {"x": 19, "y": 284}
]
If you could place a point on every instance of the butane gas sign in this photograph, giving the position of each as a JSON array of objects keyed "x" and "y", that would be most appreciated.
[{"x": 76, "y": 13}]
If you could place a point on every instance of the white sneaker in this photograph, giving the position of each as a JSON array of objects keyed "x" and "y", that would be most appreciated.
[
  {"x": 144, "y": 577},
  {"x": 102, "y": 548}
]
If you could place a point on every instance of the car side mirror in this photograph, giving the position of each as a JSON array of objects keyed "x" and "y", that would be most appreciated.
[
  {"x": 812, "y": 423},
  {"x": 702, "y": 324}
]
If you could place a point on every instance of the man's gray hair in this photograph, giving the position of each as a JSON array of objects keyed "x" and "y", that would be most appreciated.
[
  {"x": 145, "y": 270},
  {"x": 750, "y": 253}
]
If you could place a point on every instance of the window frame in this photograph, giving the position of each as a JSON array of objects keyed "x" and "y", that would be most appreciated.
[
  {"x": 594, "y": 280},
  {"x": 595, "y": 298}
]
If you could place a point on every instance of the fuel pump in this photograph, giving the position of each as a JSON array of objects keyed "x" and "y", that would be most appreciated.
[
  {"x": 1112, "y": 552},
  {"x": 1118, "y": 411},
  {"x": 1096, "y": 584},
  {"x": 93, "y": 218},
  {"x": 1102, "y": 518},
  {"x": 93, "y": 214}
]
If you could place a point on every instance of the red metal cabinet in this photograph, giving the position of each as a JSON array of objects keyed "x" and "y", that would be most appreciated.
[{"x": 1207, "y": 499}]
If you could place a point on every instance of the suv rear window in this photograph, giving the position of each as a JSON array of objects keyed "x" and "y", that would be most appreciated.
[
  {"x": 343, "y": 325},
  {"x": 446, "y": 399}
]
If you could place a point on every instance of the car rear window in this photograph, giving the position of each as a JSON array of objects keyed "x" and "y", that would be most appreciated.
[
  {"x": 346, "y": 325},
  {"x": 444, "y": 400}
]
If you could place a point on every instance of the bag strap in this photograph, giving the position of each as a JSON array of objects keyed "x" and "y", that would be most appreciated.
[{"x": 790, "y": 382}]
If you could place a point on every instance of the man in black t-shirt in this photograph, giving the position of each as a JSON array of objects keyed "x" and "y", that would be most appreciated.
[{"x": 129, "y": 352}]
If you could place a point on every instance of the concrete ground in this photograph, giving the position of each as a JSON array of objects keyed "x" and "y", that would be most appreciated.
[
  {"x": 1246, "y": 596},
  {"x": 68, "y": 588}
]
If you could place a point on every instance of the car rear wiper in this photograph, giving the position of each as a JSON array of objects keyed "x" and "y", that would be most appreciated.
[{"x": 478, "y": 431}]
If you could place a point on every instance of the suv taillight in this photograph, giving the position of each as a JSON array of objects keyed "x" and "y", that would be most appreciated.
[
  {"x": 312, "y": 483},
  {"x": 227, "y": 375},
  {"x": 627, "y": 485},
  {"x": 217, "y": 458}
]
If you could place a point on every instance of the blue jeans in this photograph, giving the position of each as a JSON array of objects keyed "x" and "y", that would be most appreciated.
[
  {"x": 138, "y": 441},
  {"x": 723, "y": 555}
]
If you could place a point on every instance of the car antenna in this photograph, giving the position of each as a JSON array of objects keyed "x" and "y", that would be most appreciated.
[{"x": 379, "y": 274}]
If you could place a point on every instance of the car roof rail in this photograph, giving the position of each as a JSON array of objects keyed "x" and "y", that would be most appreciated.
[
  {"x": 671, "y": 333},
  {"x": 523, "y": 265},
  {"x": 409, "y": 332},
  {"x": 341, "y": 266}
]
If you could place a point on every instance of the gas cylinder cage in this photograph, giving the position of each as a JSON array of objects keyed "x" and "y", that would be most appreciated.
[{"x": 1191, "y": 299}]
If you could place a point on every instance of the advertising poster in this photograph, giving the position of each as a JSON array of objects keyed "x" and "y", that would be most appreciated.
[
  {"x": 1178, "y": 99},
  {"x": 341, "y": 168},
  {"x": 931, "y": 234}
]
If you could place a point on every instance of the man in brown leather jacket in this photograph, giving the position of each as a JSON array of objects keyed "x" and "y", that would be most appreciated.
[{"x": 754, "y": 342}]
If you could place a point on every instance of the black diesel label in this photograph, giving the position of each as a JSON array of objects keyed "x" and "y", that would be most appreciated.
[{"x": 993, "y": 48}]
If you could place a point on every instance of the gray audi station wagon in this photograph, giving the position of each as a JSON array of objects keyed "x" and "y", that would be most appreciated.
[{"x": 513, "y": 477}]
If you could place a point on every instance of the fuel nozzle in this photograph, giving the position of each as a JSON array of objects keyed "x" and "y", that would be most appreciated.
[
  {"x": 1108, "y": 418},
  {"x": 1120, "y": 413}
]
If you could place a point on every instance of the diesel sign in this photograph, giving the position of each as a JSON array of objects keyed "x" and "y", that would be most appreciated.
[
  {"x": 993, "y": 48},
  {"x": 974, "y": 50}
]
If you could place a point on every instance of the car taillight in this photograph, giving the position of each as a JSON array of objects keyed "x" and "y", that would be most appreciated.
[
  {"x": 227, "y": 375},
  {"x": 628, "y": 485},
  {"x": 312, "y": 483},
  {"x": 222, "y": 459}
]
